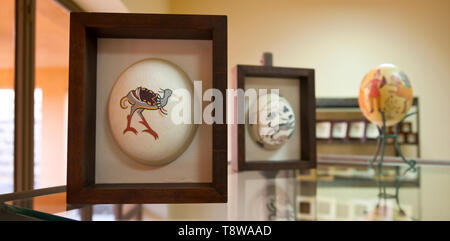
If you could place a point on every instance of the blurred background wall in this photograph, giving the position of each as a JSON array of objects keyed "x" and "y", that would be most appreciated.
[{"x": 342, "y": 40}]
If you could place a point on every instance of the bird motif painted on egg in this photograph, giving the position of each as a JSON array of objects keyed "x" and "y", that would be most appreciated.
[
  {"x": 276, "y": 121},
  {"x": 142, "y": 99}
]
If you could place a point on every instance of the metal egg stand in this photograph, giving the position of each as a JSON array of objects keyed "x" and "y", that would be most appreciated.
[{"x": 381, "y": 147}]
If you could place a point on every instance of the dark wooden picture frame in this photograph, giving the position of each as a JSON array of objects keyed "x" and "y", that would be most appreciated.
[
  {"x": 85, "y": 28},
  {"x": 307, "y": 118}
]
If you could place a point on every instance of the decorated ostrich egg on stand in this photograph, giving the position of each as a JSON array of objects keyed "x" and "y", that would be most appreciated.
[
  {"x": 141, "y": 111},
  {"x": 385, "y": 89},
  {"x": 275, "y": 121}
]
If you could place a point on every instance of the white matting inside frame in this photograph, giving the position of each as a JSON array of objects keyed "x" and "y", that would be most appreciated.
[{"x": 111, "y": 164}]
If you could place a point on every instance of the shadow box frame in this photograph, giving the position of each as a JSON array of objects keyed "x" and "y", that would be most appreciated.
[
  {"x": 85, "y": 28},
  {"x": 308, "y": 155}
]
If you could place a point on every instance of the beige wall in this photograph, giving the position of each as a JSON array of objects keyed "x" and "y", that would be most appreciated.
[
  {"x": 342, "y": 40},
  {"x": 115, "y": 6},
  {"x": 147, "y": 6}
]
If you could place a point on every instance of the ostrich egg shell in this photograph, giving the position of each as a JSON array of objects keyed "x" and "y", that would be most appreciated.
[
  {"x": 385, "y": 88},
  {"x": 172, "y": 138},
  {"x": 275, "y": 121}
]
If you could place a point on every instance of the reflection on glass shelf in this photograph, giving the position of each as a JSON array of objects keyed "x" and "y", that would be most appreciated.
[
  {"x": 363, "y": 176},
  {"x": 351, "y": 193},
  {"x": 330, "y": 192},
  {"x": 263, "y": 195}
]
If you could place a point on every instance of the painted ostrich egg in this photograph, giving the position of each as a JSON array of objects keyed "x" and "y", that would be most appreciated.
[
  {"x": 275, "y": 121},
  {"x": 385, "y": 89},
  {"x": 145, "y": 105}
]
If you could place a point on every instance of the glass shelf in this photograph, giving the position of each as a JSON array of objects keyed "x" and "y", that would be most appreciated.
[{"x": 330, "y": 192}]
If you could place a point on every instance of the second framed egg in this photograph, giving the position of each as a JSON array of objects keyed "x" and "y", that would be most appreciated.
[{"x": 279, "y": 114}]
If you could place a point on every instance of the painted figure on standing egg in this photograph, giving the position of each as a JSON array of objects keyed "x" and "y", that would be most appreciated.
[
  {"x": 374, "y": 93},
  {"x": 402, "y": 88}
]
